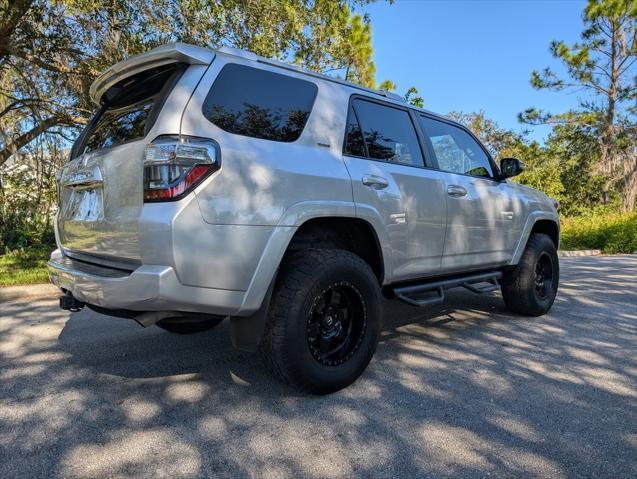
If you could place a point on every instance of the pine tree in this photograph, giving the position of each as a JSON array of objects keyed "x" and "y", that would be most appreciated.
[{"x": 603, "y": 67}]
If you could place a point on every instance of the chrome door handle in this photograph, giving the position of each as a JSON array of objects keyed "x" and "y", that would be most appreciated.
[
  {"x": 375, "y": 182},
  {"x": 456, "y": 191}
]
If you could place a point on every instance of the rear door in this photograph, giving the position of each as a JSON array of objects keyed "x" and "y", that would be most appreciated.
[
  {"x": 101, "y": 188},
  {"x": 483, "y": 216},
  {"x": 391, "y": 176}
]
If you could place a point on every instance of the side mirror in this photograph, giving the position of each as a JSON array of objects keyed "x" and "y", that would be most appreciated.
[{"x": 511, "y": 167}]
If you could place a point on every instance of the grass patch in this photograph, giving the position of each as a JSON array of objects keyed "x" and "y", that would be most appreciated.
[
  {"x": 24, "y": 267},
  {"x": 616, "y": 233}
]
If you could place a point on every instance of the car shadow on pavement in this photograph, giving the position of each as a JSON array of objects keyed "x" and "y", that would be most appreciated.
[{"x": 464, "y": 389}]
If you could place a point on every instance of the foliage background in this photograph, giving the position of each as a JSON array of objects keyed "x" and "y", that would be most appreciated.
[{"x": 51, "y": 50}]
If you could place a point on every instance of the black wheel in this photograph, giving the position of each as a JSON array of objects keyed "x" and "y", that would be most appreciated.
[
  {"x": 188, "y": 325},
  {"x": 531, "y": 287},
  {"x": 324, "y": 320}
]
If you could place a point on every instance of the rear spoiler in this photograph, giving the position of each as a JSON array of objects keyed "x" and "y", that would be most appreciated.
[{"x": 164, "y": 55}]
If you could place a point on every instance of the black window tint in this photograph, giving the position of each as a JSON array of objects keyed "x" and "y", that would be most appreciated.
[
  {"x": 388, "y": 133},
  {"x": 354, "y": 144},
  {"x": 259, "y": 103},
  {"x": 117, "y": 126},
  {"x": 129, "y": 108},
  {"x": 456, "y": 150}
]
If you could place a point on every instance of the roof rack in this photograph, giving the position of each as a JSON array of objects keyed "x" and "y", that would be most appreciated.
[{"x": 391, "y": 94}]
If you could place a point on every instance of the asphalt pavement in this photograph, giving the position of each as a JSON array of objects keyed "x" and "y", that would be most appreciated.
[{"x": 465, "y": 389}]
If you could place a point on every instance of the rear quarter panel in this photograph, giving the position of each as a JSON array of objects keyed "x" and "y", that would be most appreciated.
[{"x": 260, "y": 179}]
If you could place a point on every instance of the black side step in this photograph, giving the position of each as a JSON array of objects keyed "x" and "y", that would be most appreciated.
[{"x": 409, "y": 294}]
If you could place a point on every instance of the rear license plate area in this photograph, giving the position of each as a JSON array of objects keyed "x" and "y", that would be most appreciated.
[{"x": 85, "y": 205}]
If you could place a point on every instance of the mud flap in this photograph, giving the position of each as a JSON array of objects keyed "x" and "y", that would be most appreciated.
[{"x": 246, "y": 332}]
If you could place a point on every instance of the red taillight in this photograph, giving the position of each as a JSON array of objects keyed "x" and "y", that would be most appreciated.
[
  {"x": 173, "y": 166},
  {"x": 194, "y": 176}
]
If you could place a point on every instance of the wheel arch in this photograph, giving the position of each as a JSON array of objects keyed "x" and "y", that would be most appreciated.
[
  {"x": 537, "y": 222},
  {"x": 352, "y": 234},
  {"x": 549, "y": 228},
  {"x": 344, "y": 231}
]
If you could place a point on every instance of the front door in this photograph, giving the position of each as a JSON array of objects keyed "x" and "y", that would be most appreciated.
[{"x": 483, "y": 216}]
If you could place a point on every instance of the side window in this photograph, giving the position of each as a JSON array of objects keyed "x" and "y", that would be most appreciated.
[
  {"x": 387, "y": 134},
  {"x": 259, "y": 103},
  {"x": 455, "y": 149}
]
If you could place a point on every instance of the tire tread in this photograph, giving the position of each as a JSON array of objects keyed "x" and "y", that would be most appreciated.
[
  {"x": 297, "y": 272},
  {"x": 518, "y": 287}
]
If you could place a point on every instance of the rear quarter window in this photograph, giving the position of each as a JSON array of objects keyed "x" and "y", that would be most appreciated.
[{"x": 259, "y": 103}]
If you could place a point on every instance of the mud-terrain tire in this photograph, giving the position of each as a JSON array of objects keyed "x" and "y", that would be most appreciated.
[
  {"x": 530, "y": 289},
  {"x": 324, "y": 320}
]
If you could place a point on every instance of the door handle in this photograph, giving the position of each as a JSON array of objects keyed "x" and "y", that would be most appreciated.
[
  {"x": 375, "y": 182},
  {"x": 456, "y": 191}
]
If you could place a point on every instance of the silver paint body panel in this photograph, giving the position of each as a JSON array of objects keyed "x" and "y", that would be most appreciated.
[{"x": 217, "y": 250}]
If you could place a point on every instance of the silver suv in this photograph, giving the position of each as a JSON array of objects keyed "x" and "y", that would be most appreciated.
[{"x": 219, "y": 184}]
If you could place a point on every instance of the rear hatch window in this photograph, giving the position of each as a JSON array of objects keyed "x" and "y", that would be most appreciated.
[
  {"x": 259, "y": 103},
  {"x": 129, "y": 109}
]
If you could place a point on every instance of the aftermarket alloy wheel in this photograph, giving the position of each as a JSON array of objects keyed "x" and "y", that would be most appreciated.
[
  {"x": 530, "y": 289},
  {"x": 336, "y": 324},
  {"x": 324, "y": 320},
  {"x": 543, "y": 279}
]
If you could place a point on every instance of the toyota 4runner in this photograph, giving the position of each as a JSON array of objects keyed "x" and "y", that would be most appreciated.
[{"x": 219, "y": 184}]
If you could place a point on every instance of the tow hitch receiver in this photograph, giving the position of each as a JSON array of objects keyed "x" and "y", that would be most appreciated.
[{"x": 69, "y": 303}]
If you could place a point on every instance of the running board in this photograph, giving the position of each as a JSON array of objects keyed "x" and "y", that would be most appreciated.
[{"x": 470, "y": 282}]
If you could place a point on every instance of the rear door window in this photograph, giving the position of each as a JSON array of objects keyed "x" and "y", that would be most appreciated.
[
  {"x": 380, "y": 132},
  {"x": 456, "y": 150},
  {"x": 259, "y": 103}
]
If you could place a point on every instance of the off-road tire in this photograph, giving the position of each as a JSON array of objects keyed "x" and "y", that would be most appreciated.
[
  {"x": 304, "y": 281},
  {"x": 523, "y": 291}
]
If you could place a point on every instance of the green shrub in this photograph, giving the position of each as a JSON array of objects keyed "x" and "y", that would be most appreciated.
[
  {"x": 611, "y": 233},
  {"x": 24, "y": 267}
]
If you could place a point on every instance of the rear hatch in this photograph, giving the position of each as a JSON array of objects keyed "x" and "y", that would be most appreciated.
[{"x": 101, "y": 187}]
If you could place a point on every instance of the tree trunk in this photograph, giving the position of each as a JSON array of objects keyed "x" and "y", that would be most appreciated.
[
  {"x": 607, "y": 151},
  {"x": 13, "y": 146}
]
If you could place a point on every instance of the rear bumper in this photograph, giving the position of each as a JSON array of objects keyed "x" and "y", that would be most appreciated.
[{"x": 147, "y": 288}]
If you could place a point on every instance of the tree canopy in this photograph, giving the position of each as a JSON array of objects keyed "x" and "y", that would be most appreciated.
[{"x": 51, "y": 51}]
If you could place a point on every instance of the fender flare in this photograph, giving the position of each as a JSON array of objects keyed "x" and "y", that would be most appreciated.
[
  {"x": 248, "y": 322},
  {"x": 533, "y": 218}
]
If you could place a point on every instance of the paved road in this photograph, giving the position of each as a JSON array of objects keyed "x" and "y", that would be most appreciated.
[{"x": 462, "y": 390}]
